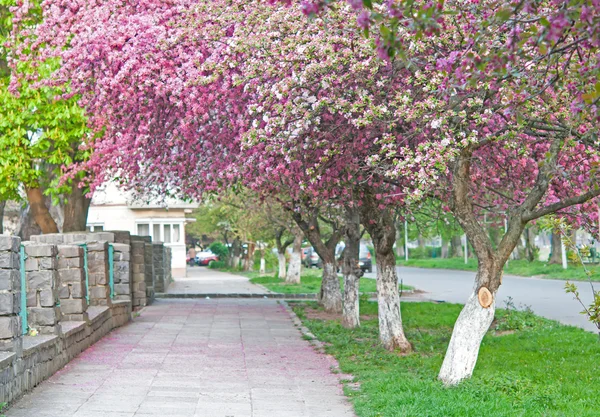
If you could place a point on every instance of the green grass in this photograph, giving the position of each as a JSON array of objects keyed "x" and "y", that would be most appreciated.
[
  {"x": 310, "y": 283},
  {"x": 542, "y": 369},
  {"x": 514, "y": 267}
]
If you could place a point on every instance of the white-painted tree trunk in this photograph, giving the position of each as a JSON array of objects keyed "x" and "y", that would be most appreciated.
[
  {"x": 294, "y": 269},
  {"x": 470, "y": 328},
  {"x": 351, "y": 312},
  {"x": 236, "y": 261},
  {"x": 391, "y": 332},
  {"x": 331, "y": 293},
  {"x": 263, "y": 266},
  {"x": 281, "y": 262}
]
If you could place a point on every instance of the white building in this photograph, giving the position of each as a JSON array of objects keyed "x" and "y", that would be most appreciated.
[{"x": 112, "y": 209}]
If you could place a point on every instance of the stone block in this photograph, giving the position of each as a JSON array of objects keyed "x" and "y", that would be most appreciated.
[
  {"x": 40, "y": 250},
  {"x": 48, "y": 262},
  {"x": 78, "y": 291},
  {"x": 47, "y": 297},
  {"x": 97, "y": 246},
  {"x": 121, "y": 236},
  {"x": 123, "y": 256},
  {"x": 76, "y": 306},
  {"x": 137, "y": 238},
  {"x": 121, "y": 247},
  {"x": 99, "y": 293},
  {"x": 65, "y": 263},
  {"x": 10, "y": 327},
  {"x": 70, "y": 275},
  {"x": 97, "y": 256},
  {"x": 69, "y": 251},
  {"x": 101, "y": 236},
  {"x": 75, "y": 237},
  {"x": 32, "y": 298},
  {"x": 43, "y": 316},
  {"x": 10, "y": 279},
  {"x": 63, "y": 292},
  {"x": 31, "y": 264},
  {"x": 9, "y": 304},
  {"x": 122, "y": 289},
  {"x": 97, "y": 265},
  {"x": 40, "y": 279},
  {"x": 9, "y": 243},
  {"x": 138, "y": 268},
  {"x": 9, "y": 260}
]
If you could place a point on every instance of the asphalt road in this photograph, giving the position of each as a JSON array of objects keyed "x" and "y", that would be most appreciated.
[{"x": 545, "y": 297}]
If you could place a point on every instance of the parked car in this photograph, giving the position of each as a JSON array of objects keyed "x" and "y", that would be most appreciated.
[
  {"x": 364, "y": 258},
  {"x": 205, "y": 257},
  {"x": 310, "y": 258}
]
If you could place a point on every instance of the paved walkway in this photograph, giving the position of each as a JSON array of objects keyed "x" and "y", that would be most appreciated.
[
  {"x": 202, "y": 280},
  {"x": 195, "y": 358},
  {"x": 546, "y": 297}
]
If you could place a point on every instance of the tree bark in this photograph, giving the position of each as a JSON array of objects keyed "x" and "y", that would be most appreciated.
[
  {"x": 556, "y": 249},
  {"x": 295, "y": 267},
  {"x": 529, "y": 245},
  {"x": 456, "y": 247},
  {"x": 76, "y": 210},
  {"x": 39, "y": 210},
  {"x": 380, "y": 225},
  {"x": 470, "y": 328},
  {"x": 235, "y": 250},
  {"x": 281, "y": 264},
  {"x": 2, "y": 205},
  {"x": 444, "y": 251},
  {"x": 399, "y": 240},
  {"x": 351, "y": 270},
  {"x": 330, "y": 295}
]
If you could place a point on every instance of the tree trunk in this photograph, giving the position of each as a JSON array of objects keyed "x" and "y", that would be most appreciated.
[
  {"x": 2, "y": 205},
  {"x": 470, "y": 328},
  {"x": 295, "y": 267},
  {"x": 281, "y": 263},
  {"x": 76, "y": 210},
  {"x": 39, "y": 210},
  {"x": 399, "y": 240},
  {"x": 556, "y": 249},
  {"x": 330, "y": 296},
  {"x": 351, "y": 271},
  {"x": 444, "y": 251},
  {"x": 380, "y": 225},
  {"x": 391, "y": 331},
  {"x": 235, "y": 250},
  {"x": 456, "y": 247},
  {"x": 421, "y": 241},
  {"x": 27, "y": 226}
]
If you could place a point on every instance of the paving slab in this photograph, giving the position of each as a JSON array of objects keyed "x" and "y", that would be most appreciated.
[
  {"x": 202, "y": 280},
  {"x": 195, "y": 358}
]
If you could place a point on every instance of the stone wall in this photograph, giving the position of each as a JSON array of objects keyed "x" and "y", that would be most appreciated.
[
  {"x": 10, "y": 295},
  {"x": 149, "y": 271},
  {"x": 72, "y": 290},
  {"x": 43, "y": 310},
  {"x": 55, "y": 268},
  {"x": 158, "y": 263},
  {"x": 138, "y": 272}
]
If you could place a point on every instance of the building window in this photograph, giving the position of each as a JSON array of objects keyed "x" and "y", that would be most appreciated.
[
  {"x": 156, "y": 233},
  {"x": 94, "y": 228},
  {"x": 176, "y": 234},
  {"x": 167, "y": 233},
  {"x": 143, "y": 229}
]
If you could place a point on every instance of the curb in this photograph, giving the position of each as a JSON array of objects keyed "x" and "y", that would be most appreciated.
[{"x": 276, "y": 296}]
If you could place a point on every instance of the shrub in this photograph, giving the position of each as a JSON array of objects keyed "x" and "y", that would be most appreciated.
[
  {"x": 217, "y": 264},
  {"x": 219, "y": 249}
]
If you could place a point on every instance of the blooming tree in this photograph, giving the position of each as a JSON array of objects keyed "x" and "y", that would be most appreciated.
[{"x": 305, "y": 109}]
